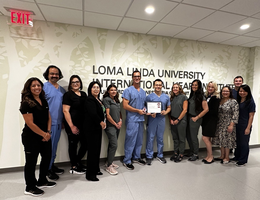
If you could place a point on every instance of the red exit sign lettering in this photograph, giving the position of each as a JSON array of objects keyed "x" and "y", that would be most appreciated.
[{"x": 21, "y": 17}]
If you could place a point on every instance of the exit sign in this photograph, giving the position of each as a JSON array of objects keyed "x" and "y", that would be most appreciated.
[{"x": 21, "y": 17}]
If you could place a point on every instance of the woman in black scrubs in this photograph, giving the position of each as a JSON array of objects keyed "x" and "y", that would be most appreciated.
[
  {"x": 36, "y": 136},
  {"x": 73, "y": 109},
  {"x": 93, "y": 125}
]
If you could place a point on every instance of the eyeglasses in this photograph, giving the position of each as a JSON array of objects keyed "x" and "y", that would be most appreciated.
[
  {"x": 95, "y": 88},
  {"x": 75, "y": 82}
]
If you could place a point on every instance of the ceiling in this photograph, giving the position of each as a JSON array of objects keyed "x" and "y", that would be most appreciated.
[{"x": 215, "y": 21}]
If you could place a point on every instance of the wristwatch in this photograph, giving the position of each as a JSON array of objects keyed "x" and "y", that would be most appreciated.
[{"x": 50, "y": 132}]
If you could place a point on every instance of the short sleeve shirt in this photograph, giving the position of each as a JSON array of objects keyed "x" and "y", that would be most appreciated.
[
  {"x": 114, "y": 109},
  {"x": 192, "y": 108},
  {"x": 76, "y": 104},
  {"x": 136, "y": 100},
  {"x": 40, "y": 117},
  {"x": 164, "y": 99},
  {"x": 54, "y": 98},
  {"x": 244, "y": 110},
  {"x": 177, "y": 105}
]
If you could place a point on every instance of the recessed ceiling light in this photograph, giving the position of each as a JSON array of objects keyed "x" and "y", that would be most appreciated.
[
  {"x": 149, "y": 9},
  {"x": 244, "y": 27}
]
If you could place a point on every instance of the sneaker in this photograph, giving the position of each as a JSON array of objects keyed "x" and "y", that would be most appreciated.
[
  {"x": 194, "y": 157},
  {"x": 179, "y": 158},
  {"x": 57, "y": 170},
  {"x": 77, "y": 170},
  {"x": 111, "y": 170},
  {"x": 34, "y": 192},
  {"x": 149, "y": 161},
  {"x": 82, "y": 167},
  {"x": 240, "y": 164},
  {"x": 175, "y": 155},
  {"x": 52, "y": 175},
  {"x": 129, "y": 166},
  {"x": 139, "y": 161},
  {"x": 115, "y": 166},
  {"x": 46, "y": 185},
  {"x": 162, "y": 160}
]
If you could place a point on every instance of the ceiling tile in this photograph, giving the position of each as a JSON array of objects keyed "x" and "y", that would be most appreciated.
[
  {"x": 62, "y": 15},
  {"x": 252, "y": 44},
  {"x": 21, "y": 5},
  {"x": 193, "y": 34},
  {"x": 111, "y": 7},
  {"x": 161, "y": 9},
  {"x": 235, "y": 28},
  {"x": 101, "y": 21},
  {"x": 240, "y": 40},
  {"x": 244, "y": 7},
  {"x": 218, "y": 37},
  {"x": 257, "y": 15},
  {"x": 186, "y": 15},
  {"x": 255, "y": 33},
  {"x": 75, "y": 4},
  {"x": 136, "y": 25},
  {"x": 218, "y": 21},
  {"x": 166, "y": 30},
  {"x": 215, "y": 4}
]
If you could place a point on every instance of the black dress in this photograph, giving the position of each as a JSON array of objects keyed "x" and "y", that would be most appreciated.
[
  {"x": 210, "y": 119},
  {"x": 94, "y": 114}
]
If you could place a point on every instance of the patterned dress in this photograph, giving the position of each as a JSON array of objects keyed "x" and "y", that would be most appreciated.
[{"x": 228, "y": 112}]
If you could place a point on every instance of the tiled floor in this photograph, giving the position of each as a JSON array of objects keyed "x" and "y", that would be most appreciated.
[{"x": 178, "y": 181}]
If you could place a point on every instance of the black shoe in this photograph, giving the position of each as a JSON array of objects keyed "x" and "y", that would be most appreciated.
[
  {"x": 149, "y": 161},
  {"x": 203, "y": 160},
  {"x": 99, "y": 173},
  {"x": 194, "y": 157},
  {"x": 218, "y": 159},
  {"x": 234, "y": 159},
  {"x": 178, "y": 159},
  {"x": 162, "y": 160},
  {"x": 175, "y": 155},
  {"x": 207, "y": 162},
  {"x": 57, "y": 170},
  {"x": 240, "y": 164},
  {"x": 52, "y": 175},
  {"x": 46, "y": 185},
  {"x": 77, "y": 170},
  {"x": 139, "y": 161},
  {"x": 81, "y": 166},
  {"x": 129, "y": 166},
  {"x": 34, "y": 192},
  {"x": 92, "y": 178}
]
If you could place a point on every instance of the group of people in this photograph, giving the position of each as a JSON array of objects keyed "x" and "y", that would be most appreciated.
[{"x": 47, "y": 108}]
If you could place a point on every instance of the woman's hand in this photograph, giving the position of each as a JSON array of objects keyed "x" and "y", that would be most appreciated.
[
  {"x": 74, "y": 130},
  {"x": 46, "y": 137},
  {"x": 171, "y": 122},
  {"x": 119, "y": 124},
  {"x": 103, "y": 125},
  {"x": 175, "y": 122},
  {"x": 230, "y": 129},
  {"x": 194, "y": 119},
  {"x": 247, "y": 131}
]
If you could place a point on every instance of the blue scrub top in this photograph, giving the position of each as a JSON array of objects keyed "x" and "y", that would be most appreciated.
[
  {"x": 54, "y": 97},
  {"x": 234, "y": 93},
  {"x": 136, "y": 100},
  {"x": 244, "y": 110},
  {"x": 164, "y": 99}
]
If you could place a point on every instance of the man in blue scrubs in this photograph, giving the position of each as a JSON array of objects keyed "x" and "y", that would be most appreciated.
[
  {"x": 54, "y": 95},
  {"x": 156, "y": 122},
  {"x": 133, "y": 103},
  {"x": 238, "y": 81}
]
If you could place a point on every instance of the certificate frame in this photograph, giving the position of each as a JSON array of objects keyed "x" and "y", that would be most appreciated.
[{"x": 154, "y": 107}]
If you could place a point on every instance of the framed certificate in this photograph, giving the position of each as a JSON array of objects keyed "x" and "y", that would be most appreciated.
[{"x": 154, "y": 107}]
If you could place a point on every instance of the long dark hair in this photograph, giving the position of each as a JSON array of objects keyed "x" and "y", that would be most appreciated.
[
  {"x": 180, "y": 91},
  {"x": 27, "y": 94},
  {"x": 249, "y": 95},
  {"x": 46, "y": 73},
  {"x": 71, "y": 78},
  {"x": 90, "y": 87},
  {"x": 107, "y": 94},
  {"x": 198, "y": 96},
  {"x": 230, "y": 92}
]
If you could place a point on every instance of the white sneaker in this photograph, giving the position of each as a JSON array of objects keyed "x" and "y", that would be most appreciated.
[{"x": 111, "y": 170}]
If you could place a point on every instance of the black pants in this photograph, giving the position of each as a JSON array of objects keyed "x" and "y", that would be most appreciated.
[
  {"x": 75, "y": 154},
  {"x": 32, "y": 149},
  {"x": 94, "y": 138}
]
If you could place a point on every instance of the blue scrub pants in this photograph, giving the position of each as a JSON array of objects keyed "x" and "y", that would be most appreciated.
[
  {"x": 242, "y": 140},
  {"x": 133, "y": 141},
  {"x": 156, "y": 127},
  {"x": 55, "y": 137}
]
